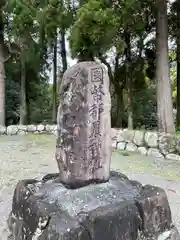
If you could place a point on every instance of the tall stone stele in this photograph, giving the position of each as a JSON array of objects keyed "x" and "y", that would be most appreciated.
[{"x": 83, "y": 150}]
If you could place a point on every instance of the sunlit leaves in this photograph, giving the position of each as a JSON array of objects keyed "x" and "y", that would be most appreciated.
[
  {"x": 100, "y": 24},
  {"x": 94, "y": 28}
]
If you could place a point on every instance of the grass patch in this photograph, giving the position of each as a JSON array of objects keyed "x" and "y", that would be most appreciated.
[
  {"x": 137, "y": 163},
  {"x": 124, "y": 153},
  {"x": 42, "y": 141}
]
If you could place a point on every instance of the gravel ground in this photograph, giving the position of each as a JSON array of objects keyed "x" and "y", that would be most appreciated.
[{"x": 33, "y": 156}]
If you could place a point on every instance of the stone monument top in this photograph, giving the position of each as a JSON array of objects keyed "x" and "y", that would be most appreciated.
[{"x": 83, "y": 150}]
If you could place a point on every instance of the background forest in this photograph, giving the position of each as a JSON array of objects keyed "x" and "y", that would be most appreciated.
[{"x": 38, "y": 39}]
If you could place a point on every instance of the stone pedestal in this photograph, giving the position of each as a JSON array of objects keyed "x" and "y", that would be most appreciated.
[{"x": 119, "y": 209}]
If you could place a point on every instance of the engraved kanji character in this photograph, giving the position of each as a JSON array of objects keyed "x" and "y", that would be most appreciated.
[
  {"x": 93, "y": 149},
  {"x": 97, "y": 75},
  {"x": 95, "y": 110},
  {"x": 97, "y": 92},
  {"x": 95, "y": 130}
]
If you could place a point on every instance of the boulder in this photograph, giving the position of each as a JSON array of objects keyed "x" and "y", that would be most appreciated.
[
  {"x": 31, "y": 128},
  {"x": 22, "y": 128},
  {"x": 154, "y": 152},
  {"x": 173, "y": 157},
  {"x": 49, "y": 128},
  {"x": 119, "y": 136},
  {"x": 142, "y": 150},
  {"x": 151, "y": 139},
  {"x": 2, "y": 130},
  {"x": 131, "y": 147},
  {"x": 12, "y": 130},
  {"x": 114, "y": 133},
  {"x": 139, "y": 138},
  {"x": 128, "y": 135},
  {"x": 21, "y": 132},
  {"x": 40, "y": 128},
  {"x": 121, "y": 146},
  {"x": 167, "y": 143}
]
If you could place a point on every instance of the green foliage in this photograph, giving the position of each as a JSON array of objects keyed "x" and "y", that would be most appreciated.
[
  {"x": 41, "y": 108},
  {"x": 94, "y": 29},
  {"x": 100, "y": 25},
  {"x": 97, "y": 29},
  {"x": 144, "y": 105},
  {"x": 53, "y": 15}
]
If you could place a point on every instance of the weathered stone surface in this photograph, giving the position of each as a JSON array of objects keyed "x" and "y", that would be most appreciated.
[
  {"x": 119, "y": 135},
  {"x": 40, "y": 127},
  {"x": 167, "y": 143},
  {"x": 2, "y": 130},
  {"x": 142, "y": 150},
  {"x": 36, "y": 132},
  {"x": 114, "y": 144},
  {"x": 171, "y": 234},
  {"x": 117, "y": 209},
  {"x": 178, "y": 145},
  {"x": 32, "y": 128},
  {"x": 154, "y": 152},
  {"x": 21, "y": 132},
  {"x": 155, "y": 211},
  {"x": 12, "y": 130},
  {"x": 173, "y": 157},
  {"x": 55, "y": 127},
  {"x": 131, "y": 147},
  {"x": 49, "y": 128},
  {"x": 83, "y": 150},
  {"x": 92, "y": 212},
  {"x": 139, "y": 138},
  {"x": 55, "y": 133},
  {"x": 114, "y": 132},
  {"x": 22, "y": 128},
  {"x": 121, "y": 146},
  {"x": 127, "y": 135},
  {"x": 151, "y": 139}
]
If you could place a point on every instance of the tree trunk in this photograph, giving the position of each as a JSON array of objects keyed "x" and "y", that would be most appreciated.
[
  {"x": 120, "y": 108},
  {"x": 128, "y": 80},
  {"x": 54, "y": 100},
  {"x": 23, "y": 107},
  {"x": 63, "y": 50},
  {"x": 164, "y": 97},
  {"x": 178, "y": 66},
  {"x": 2, "y": 73}
]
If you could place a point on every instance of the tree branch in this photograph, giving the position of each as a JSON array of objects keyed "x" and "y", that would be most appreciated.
[{"x": 103, "y": 60}]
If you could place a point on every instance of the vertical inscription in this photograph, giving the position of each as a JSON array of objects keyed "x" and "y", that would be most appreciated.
[
  {"x": 97, "y": 75},
  {"x": 95, "y": 110}
]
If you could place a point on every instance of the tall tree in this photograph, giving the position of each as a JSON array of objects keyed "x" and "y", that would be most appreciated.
[
  {"x": 128, "y": 78},
  {"x": 24, "y": 32},
  {"x": 54, "y": 94},
  {"x": 2, "y": 76},
  {"x": 23, "y": 94},
  {"x": 63, "y": 49},
  {"x": 178, "y": 63},
  {"x": 164, "y": 98}
]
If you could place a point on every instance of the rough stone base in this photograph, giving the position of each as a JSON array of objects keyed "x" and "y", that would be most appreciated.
[{"x": 119, "y": 209}]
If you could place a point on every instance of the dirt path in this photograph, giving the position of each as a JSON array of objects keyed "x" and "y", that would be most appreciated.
[{"x": 33, "y": 156}]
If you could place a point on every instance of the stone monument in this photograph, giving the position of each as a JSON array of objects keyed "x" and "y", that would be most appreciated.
[
  {"x": 84, "y": 128},
  {"x": 85, "y": 201}
]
